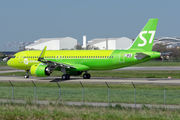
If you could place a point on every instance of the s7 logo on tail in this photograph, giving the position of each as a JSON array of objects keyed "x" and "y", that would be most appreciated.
[{"x": 144, "y": 39}]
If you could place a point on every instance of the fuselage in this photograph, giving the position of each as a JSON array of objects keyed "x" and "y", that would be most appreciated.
[{"x": 94, "y": 59}]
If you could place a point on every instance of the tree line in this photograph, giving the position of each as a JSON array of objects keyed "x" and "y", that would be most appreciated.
[{"x": 174, "y": 55}]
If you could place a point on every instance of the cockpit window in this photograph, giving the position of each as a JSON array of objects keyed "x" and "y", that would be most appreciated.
[{"x": 13, "y": 56}]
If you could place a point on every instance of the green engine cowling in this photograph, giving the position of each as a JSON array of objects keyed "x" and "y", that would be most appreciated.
[{"x": 39, "y": 70}]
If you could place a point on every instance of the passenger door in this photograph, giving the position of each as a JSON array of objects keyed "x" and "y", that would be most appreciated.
[
  {"x": 121, "y": 57},
  {"x": 21, "y": 59}
]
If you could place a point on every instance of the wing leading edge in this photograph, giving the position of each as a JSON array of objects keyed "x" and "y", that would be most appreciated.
[{"x": 52, "y": 64}]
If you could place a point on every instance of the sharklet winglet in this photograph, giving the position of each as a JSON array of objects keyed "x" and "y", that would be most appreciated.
[{"x": 42, "y": 54}]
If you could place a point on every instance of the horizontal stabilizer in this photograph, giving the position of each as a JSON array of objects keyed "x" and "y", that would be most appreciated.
[
  {"x": 166, "y": 53},
  {"x": 140, "y": 56}
]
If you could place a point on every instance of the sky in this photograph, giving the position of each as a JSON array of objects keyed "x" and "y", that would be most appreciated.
[{"x": 27, "y": 21}]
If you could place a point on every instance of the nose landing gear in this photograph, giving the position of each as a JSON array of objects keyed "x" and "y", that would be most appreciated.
[{"x": 27, "y": 74}]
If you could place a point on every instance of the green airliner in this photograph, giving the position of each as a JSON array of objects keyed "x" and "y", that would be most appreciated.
[{"x": 75, "y": 62}]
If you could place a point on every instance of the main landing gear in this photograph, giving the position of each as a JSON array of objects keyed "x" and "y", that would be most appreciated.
[
  {"x": 86, "y": 76},
  {"x": 27, "y": 74},
  {"x": 65, "y": 76}
]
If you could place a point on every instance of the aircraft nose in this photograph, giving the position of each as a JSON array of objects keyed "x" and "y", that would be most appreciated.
[{"x": 9, "y": 62}]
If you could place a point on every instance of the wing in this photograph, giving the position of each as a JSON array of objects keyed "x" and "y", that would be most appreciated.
[{"x": 53, "y": 65}]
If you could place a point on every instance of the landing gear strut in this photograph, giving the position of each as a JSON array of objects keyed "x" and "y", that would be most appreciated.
[
  {"x": 65, "y": 76},
  {"x": 27, "y": 74}
]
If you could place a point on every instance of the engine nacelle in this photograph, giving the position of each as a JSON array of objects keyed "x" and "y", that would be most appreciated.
[{"x": 39, "y": 70}]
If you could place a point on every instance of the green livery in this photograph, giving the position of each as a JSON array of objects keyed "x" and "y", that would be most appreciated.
[{"x": 75, "y": 62}]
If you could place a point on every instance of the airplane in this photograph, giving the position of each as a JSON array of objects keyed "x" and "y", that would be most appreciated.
[{"x": 75, "y": 62}]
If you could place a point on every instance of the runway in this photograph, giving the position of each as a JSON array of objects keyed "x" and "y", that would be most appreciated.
[
  {"x": 96, "y": 80},
  {"x": 93, "y": 80}
]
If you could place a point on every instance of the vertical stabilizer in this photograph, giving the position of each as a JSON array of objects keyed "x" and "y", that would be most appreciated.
[{"x": 145, "y": 38}]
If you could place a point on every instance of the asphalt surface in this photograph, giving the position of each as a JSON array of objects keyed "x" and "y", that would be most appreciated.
[{"x": 93, "y": 80}]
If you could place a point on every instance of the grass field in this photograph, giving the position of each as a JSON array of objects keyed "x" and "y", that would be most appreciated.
[
  {"x": 59, "y": 112},
  {"x": 3, "y": 63},
  {"x": 124, "y": 93}
]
